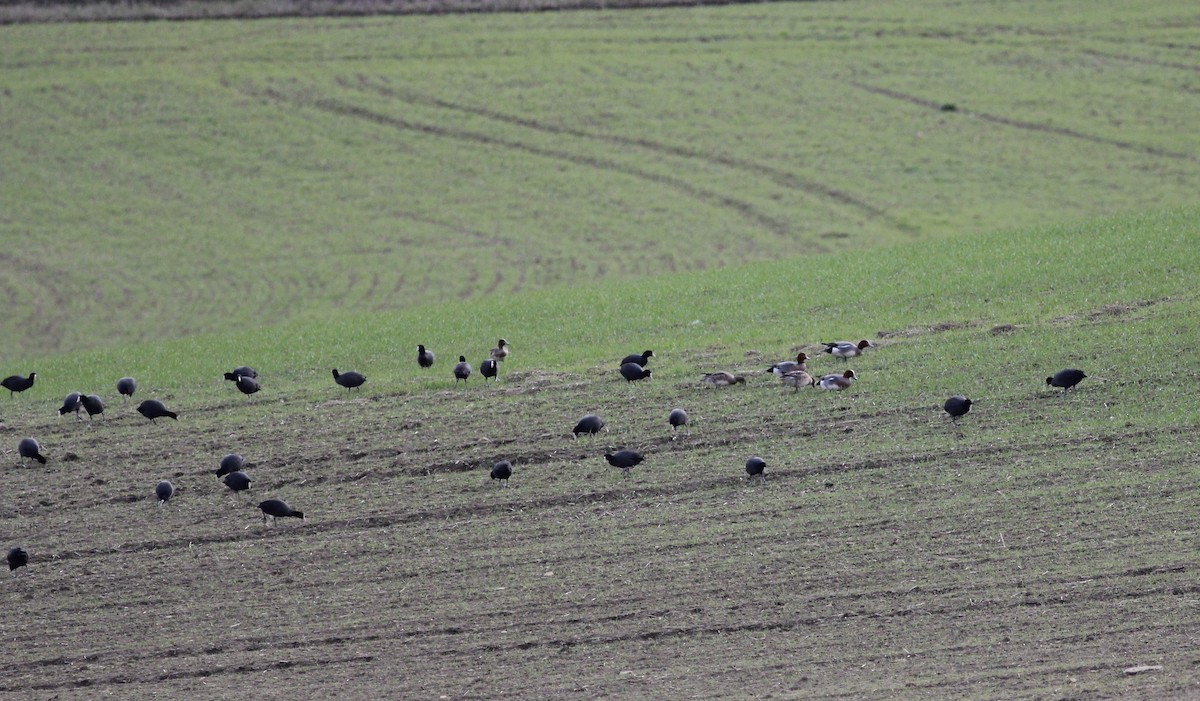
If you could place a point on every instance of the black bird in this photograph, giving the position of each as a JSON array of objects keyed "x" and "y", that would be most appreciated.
[
  {"x": 755, "y": 467},
  {"x": 72, "y": 403},
  {"x": 153, "y": 409},
  {"x": 424, "y": 357},
  {"x": 489, "y": 368},
  {"x": 957, "y": 406},
  {"x": 16, "y": 383},
  {"x": 461, "y": 371},
  {"x": 30, "y": 448},
  {"x": 500, "y": 352},
  {"x": 278, "y": 508},
  {"x": 17, "y": 557},
  {"x": 638, "y": 358},
  {"x": 230, "y": 463},
  {"x": 349, "y": 380},
  {"x": 677, "y": 418},
  {"x": 633, "y": 372},
  {"x": 247, "y": 385},
  {"x": 624, "y": 459},
  {"x": 502, "y": 471},
  {"x": 126, "y": 386},
  {"x": 92, "y": 404},
  {"x": 588, "y": 424},
  {"x": 1066, "y": 379},
  {"x": 242, "y": 371},
  {"x": 238, "y": 481},
  {"x": 164, "y": 490}
]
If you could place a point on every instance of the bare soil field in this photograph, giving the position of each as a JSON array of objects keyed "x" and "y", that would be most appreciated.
[{"x": 888, "y": 555}]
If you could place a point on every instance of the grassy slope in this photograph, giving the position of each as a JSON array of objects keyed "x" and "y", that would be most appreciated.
[
  {"x": 1038, "y": 552},
  {"x": 167, "y": 179}
]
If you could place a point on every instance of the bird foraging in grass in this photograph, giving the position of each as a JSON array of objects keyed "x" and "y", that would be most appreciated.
[
  {"x": 797, "y": 379},
  {"x": 462, "y": 371},
  {"x": 126, "y": 386},
  {"x": 349, "y": 379},
  {"x": 424, "y": 357},
  {"x": 800, "y": 363},
  {"x": 163, "y": 491},
  {"x": 153, "y": 409},
  {"x": 500, "y": 352},
  {"x": 489, "y": 369},
  {"x": 847, "y": 350},
  {"x": 29, "y": 448},
  {"x": 632, "y": 372},
  {"x": 93, "y": 405},
  {"x": 16, "y": 383},
  {"x": 677, "y": 418},
  {"x": 1066, "y": 379},
  {"x": 501, "y": 471},
  {"x": 624, "y": 460},
  {"x": 957, "y": 406},
  {"x": 72, "y": 402},
  {"x": 723, "y": 379},
  {"x": 17, "y": 557},
  {"x": 238, "y": 482},
  {"x": 838, "y": 382},
  {"x": 756, "y": 468},
  {"x": 278, "y": 508},
  {"x": 638, "y": 358},
  {"x": 588, "y": 424}
]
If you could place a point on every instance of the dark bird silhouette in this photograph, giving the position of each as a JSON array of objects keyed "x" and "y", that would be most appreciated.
[
  {"x": 500, "y": 352},
  {"x": 461, "y": 371},
  {"x": 247, "y": 385},
  {"x": 634, "y": 372},
  {"x": 838, "y": 382},
  {"x": 755, "y": 467},
  {"x": 847, "y": 350},
  {"x": 723, "y": 379},
  {"x": 957, "y": 406},
  {"x": 242, "y": 371},
  {"x": 624, "y": 459},
  {"x": 164, "y": 490},
  {"x": 800, "y": 363},
  {"x": 349, "y": 380},
  {"x": 502, "y": 471},
  {"x": 1067, "y": 379},
  {"x": 278, "y": 508},
  {"x": 72, "y": 403},
  {"x": 638, "y": 358},
  {"x": 153, "y": 409},
  {"x": 92, "y": 404},
  {"x": 424, "y": 357},
  {"x": 677, "y": 418},
  {"x": 489, "y": 368},
  {"x": 230, "y": 463},
  {"x": 30, "y": 448},
  {"x": 16, "y": 383},
  {"x": 238, "y": 481},
  {"x": 17, "y": 557},
  {"x": 126, "y": 386},
  {"x": 588, "y": 424}
]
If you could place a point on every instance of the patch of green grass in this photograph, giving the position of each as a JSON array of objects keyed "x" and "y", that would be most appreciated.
[{"x": 165, "y": 179}]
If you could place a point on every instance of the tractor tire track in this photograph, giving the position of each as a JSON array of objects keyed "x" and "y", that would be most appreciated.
[
  {"x": 777, "y": 227},
  {"x": 780, "y": 177},
  {"x": 1029, "y": 126}
]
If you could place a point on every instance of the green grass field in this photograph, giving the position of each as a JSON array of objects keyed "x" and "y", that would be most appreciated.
[
  {"x": 166, "y": 179},
  {"x": 727, "y": 186}
]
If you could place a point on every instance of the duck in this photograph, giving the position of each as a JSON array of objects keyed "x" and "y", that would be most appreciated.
[
  {"x": 838, "y": 382},
  {"x": 500, "y": 352},
  {"x": 639, "y": 358},
  {"x": 1067, "y": 379},
  {"x": 847, "y": 350},
  {"x": 723, "y": 379},
  {"x": 797, "y": 379},
  {"x": 780, "y": 369}
]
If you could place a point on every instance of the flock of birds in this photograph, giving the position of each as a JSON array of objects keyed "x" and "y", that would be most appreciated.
[{"x": 633, "y": 368}]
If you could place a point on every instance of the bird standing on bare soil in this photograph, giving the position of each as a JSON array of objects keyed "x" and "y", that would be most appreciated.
[{"x": 502, "y": 471}]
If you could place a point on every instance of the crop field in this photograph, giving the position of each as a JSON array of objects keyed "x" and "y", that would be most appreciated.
[
  {"x": 167, "y": 179},
  {"x": 1037, "y": 550}
]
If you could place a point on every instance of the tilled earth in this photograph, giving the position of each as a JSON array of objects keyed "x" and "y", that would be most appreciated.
[{"x": 888, "y": 555}]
